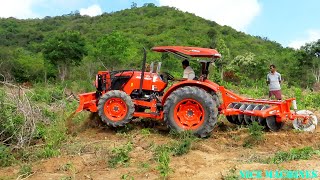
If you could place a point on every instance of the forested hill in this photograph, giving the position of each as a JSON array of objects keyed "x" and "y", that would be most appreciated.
[
  {"x": 149, "y": 26},
  {"x": 246, "y": 57}
]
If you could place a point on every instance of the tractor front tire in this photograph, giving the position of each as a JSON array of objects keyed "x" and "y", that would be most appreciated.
[
  {"x": 115, "y": 108},
  {"x": 191, "y": 108}
]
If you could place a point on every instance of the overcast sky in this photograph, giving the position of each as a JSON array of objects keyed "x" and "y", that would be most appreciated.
[{"x": 289, "y": 22}]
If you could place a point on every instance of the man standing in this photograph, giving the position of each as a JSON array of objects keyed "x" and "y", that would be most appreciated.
[
  {"x": 188, "y": 73},
  {"x": 274, "y": 80}
]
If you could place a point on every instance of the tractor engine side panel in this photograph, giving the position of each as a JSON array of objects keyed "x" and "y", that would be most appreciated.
[{"x": 152, "y": 82}]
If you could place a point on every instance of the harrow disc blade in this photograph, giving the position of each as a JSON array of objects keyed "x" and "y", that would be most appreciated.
[
  {"x": 229, "y": 118},
  {"x": 261, "y": 120},
  {"x": 235, "y": 117},
  {"x": 273, "y": 125},
  {"x": 258, "y": 107},
  {"x": 241, "y": 116},
  {"x": 247, "y": 118},
  {"x": 310, "y": 126}
]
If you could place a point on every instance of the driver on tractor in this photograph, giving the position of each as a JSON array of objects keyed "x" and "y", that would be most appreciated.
[{"x": 188, "y": 73}]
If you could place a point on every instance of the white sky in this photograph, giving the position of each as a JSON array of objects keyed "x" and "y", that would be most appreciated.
[
  {"x": 310, "y": 35},
  {"x": 235, "y": 13},
  {"x": 93, "y": 10}
]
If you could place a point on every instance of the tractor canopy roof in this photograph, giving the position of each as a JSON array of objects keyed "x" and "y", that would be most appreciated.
[{"x": 189, "y": 51}]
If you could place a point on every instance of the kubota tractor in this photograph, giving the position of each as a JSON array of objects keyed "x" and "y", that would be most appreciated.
[{"x": 186, "y": 105}]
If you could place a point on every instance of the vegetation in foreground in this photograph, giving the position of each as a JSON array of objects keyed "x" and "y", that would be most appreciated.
[{"x": 304, "y": 153}]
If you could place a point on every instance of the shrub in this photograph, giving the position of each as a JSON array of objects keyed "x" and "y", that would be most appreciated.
[
  {"x": 183, "y": 145},
  {"x": 47, "y": 95},
  {"x": 255, "y": 134},
  {"x": 145, "y": 132},
  {"x": 120, "y": 155},
  {"x": 127, "y": 177},
  {"x": 17, "y": 118},
  {"x": 10, "y": 119},
  {"x": 48, "y": 151},
  {"x": 25, "y": 170},
  {"x": 304, "y": 153},
  {"x": 162, "y": 155},
  {"x": 231, "y": 175},
  {"x": 6, "y": 158},
  {"x": 53, "y": 136}
]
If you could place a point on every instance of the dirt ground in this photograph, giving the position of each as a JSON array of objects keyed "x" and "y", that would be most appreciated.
[{"x": 85, "y": 155}]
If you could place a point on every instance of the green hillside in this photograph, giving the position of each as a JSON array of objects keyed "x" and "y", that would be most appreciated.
[{"x": 246, "y": 57}]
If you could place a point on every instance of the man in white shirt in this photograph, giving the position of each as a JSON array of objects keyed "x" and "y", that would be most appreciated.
[
  {"x": 274, "y": 80},
  {"x": 188, "y": 73}
]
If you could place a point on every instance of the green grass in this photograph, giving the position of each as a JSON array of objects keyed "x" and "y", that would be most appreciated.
[
  {"x": 183, "y": 144},
  {"x": 235, "y": 137},
  {"x": 146, "y": 131},
  {"x": 120, "y": 155},
  {"x": 181, "y": 147},
  {"x": 6, "y": 158},
  {"x": 256, "y": 135},
  {"x": 162, "y": 156},
  {"x": 66, "y": 178},
  {"x": 304, "y": 153},
  {"x": 48, "y": 151},
  {"x": 67, "y": 167},
  {"x": 231, "y": 175},
  {"x": 25, "y": 170},
  {"x": 127, "y": 177},
  {"x": 144, "y": 165},
  {"x": 47, "y": 95},
  {"x": 54, "y": 135},
  {"x": 125, "y": 129}
]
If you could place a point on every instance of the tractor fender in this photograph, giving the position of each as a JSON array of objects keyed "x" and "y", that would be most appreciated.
[{"x": 206, "y": 85}]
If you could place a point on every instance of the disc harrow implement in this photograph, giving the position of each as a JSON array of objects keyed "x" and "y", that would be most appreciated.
[{"x": 270, "y": 113}]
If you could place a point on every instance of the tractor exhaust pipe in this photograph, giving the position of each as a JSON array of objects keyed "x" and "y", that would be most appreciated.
[{"x": 143, "y": 69}]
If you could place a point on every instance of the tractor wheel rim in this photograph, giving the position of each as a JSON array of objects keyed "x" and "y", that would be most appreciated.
[
  {"x": 115, "y": 109},
  {"x": 189, "y": 114}
]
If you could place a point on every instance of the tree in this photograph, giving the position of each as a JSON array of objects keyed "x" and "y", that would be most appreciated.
[
  {"x": 245, "y": 66},
  {"x": 225, "y": 53},
  {"x": 149, "y": 5},
  {"x": 113, "y": 49},
  {"x": 6, "y": 63},
  {"x": 214, "y": 35},
  {"x": 27, "y": 66},
  {"x": 133, "y": 5},
  {"x": 64, "y": 50},
  {"x": 309, "y": 63}
]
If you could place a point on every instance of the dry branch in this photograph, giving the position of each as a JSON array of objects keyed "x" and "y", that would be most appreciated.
[{"x": 16, "y": 97}]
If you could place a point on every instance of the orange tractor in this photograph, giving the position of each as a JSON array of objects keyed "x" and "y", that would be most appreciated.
[{"x": 187, "y": 105}]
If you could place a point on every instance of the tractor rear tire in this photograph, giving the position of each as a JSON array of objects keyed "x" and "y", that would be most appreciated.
[
  {"x": 115, "y": 108},
  {"x": 191, "y": 108}
]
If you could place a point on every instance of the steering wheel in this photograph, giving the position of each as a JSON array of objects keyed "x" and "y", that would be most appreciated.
[
  {"x": 169, "y": 76},
  {"x": 166, "y": 76}
]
